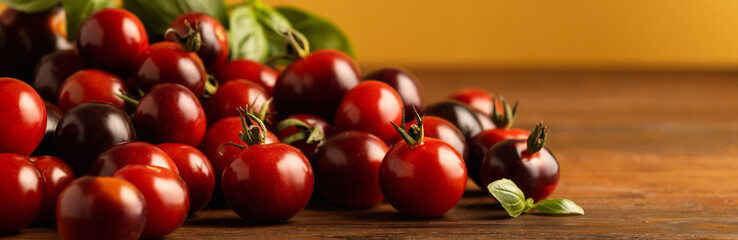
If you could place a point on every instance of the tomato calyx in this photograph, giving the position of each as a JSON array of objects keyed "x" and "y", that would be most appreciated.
[
  {"x": 413, "y": 136},
  {"x": 504, "y": 121},
  {"x": 190, "y": 42},
  {"x": 252, "y": 133},
  {"x": 537, "y": 139},
  {"x": 211, "y": 86},
  {"x": 128, "y": 97},
  {"x": 311, "y": 135}
]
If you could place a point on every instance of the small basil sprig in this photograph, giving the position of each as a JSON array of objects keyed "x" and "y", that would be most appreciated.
[
  {"x": 77, "y": 11},
  {"x": 319, "y": 32},
  {"x": 515, "y": 203},
  {"x": 247, "y": 37},
  {"x": 30, "y": 6},
  {"x": 156, "y": 15}
]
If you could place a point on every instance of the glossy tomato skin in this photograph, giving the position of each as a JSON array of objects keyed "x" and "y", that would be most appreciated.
[
  {"x": 315, "y": 84},
  {"x": 370, "y": 107},
  {"x": 248, "y": 70},
  {"x": 121, "y": 155},
  {"x": 57, "y": 175},
  {"x": 347, "y": 169},
  {"x": 214, "y": 48},
  {"x": 53, "y": 69},
  {"x": 268, "y": 183},
  {"x": 53, "y": 115},
  {"x": 477, "y": 99},
  {"x": 406, "y": 85},
  {"x": 87, "y": 130},
  {"x": 166, "y": 62},
  {"x": 170, "y": 113},
  {"x": 100, "y": 208},
  {"x": 439, "y": 128},
  {"x": 23, "y": 118},
  {"x": 459, "y": 114},
  {"x": 423, "y": 181},
  {"x": 480, "y": 144},
  {"x": 91, "y": 85},
  {"x": 196, "y": 171},
  {"x": 309, "y": 149},
  {"x": 485, "y": 121},
  {"x": 111, "y": 39},
  {"x": 537, "y": 174},
  {"x": 166, "y": 196},
  {"x": 22, "y": 186},
  {"x": 234, "y": 94}
]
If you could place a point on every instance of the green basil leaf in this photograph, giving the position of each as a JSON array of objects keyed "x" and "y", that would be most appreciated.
[
  {"x": 30, "y": 6},
  {"x": 247, "y": 38},
  {"x": 558, "y": 206},
  {"x": 275, "y": 21},
  {"x": 319, "y": 32},
  {"x": 77, "y": 11},
  {"x": 156, "y": 15},
  {"x": 510, "y": 196}
]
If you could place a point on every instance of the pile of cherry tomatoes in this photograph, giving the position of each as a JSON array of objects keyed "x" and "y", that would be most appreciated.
[{"x": 127, "y": 137}]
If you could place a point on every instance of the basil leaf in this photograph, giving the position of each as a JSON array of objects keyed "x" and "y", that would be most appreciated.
[
  {"x": 247, "y": 38},
  {"x": 274, "y": 20},
  {"x": 77, "y": 11},
  {"x": 156, "y": 15},
  {"x": 30, "y": 6},
  {"x": 558, "y": 206},
  {"x": 319, "y": 32},
  {"x": 510, "y": 196}
]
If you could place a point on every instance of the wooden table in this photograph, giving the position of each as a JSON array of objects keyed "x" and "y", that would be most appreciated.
[{"x": 647, "y": 155}]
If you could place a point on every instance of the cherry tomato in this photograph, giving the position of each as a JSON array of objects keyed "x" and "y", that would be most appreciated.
[
  {"x": 315, "y": 84},
  {"x": 459, "y": 114},
  {"x": 170, "y": 113},
  {"x": 405, "y": 83},
  {"x": 121, "y": 155},
  {"x": 53, "y": 115},
  {"x": 100, "y": 208},
  {"x": 486, "y": 123},
  {"x": 23, "y": 118},
  {"x": 214, "y": 48},
  {"x": 111, "y": 39},
  {"x": 248, "y": 70},
  {"x": 87, "y": 130},
  {"x": 53, "y": 69},
  {"x": 91, "y": 85},
  {"x": 57, "y": 175},
  {"x": 234, "y": 94},
  {"x": 529, "y": 164},
  {"x": 477, "y": 99},
  {"x": 369, "y": 107},
  {"x": 166, "y": 196},
  {"x": 347, "y": 169},
  {"x": 439, "y": 128},
  {"x": 166, "y": 62},
  {"x": 22, "y": 188},
  {"x": 195, "y": 170},
  {"x": 313, "y": 123}
]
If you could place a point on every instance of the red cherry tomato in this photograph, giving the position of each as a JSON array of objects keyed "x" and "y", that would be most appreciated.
[
  {"x": 214, "y": 48},
  {"x": 477, "y": 99},
  {"x": 22, "y": 188},
  {"x": 369, "y": 107},
  {"x": 195, "y": 170},
  {"x": 100, "y": 208},
  {"x": 91, "y": 85},
  {"x": 111, "y": 39},
  {"x": 170, "y": 113},
  {"x": 315, "y": 84},
  {"x": 166, "y": 62},
  {"x": 53, "y": 69},
  {"x": 248, "y": 70},
  {"x": 439, "y": 128},
  {"x": 167, "y": 199},
  {"x": 121, "y": 155},
  {"x": 57, "y": 175},
  {"x": 23, "y": 118},
  {"x": 234, "y": 94},
  {"x": 405, "y": 83},
  {"x": 309, "y": 149},
  {"x": 347, "y": 169}
]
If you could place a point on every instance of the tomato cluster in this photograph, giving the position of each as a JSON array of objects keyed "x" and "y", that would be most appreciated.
[{"x": 156, "y": 131}]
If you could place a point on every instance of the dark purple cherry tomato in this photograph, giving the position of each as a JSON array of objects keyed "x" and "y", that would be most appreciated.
[
  {"x": 369, "y": 107},
  {"x": 166, "y": 196},
  {"x": 248, "y": 70},
  {"x": 347, "y": 169},
  {"x": 91, "y": 85},
  {"x": 313, "y": 123},
  {"x": 195, "y": 170},
  {"x": 315, "y": 84},
  {"x": 170, "y": 113},
  {"x": 406, "y": 85},
  {"x": 529, "y": 164},
  {"x": 22, "y": 117},
  {"x": 443, "y": 130},
  {"x": 53, "y": 115},
  {"x": 459, "y": 114},
  {"x": 214, "y": 48},
  {"x": 166, "y": 62},
  {"x": 22, "y": 188},
  {"x": 112, "y": 39},
  {"x": 87, "y": 130},
  {"x": 53, "y": 69},
  {"x": 101, "y": 208},
  {"x": 234, "y": 94},
  {"x": 57, "y": 175},
  {"x": 130, "y": 153}
]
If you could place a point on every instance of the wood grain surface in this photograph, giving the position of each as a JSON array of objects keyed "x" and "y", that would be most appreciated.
[{"x": 647, "y": 155}]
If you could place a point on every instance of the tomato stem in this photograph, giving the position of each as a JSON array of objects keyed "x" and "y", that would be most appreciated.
[
  {"x": 127, "y": 97},
  {"x": 211, "y": 86},
  {"x": 537, "y": 139},
  {"x": 192, "y": 41},
  {"x": 415, "y": 135},
  {"x": 311, "y": 135},
  {"x": 503, "y": 121}
]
